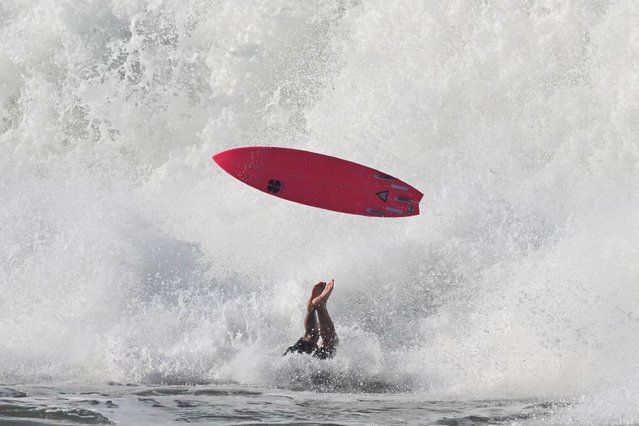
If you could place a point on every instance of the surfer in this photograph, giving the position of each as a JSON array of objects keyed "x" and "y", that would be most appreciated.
[{"x": 317, "y": 323}]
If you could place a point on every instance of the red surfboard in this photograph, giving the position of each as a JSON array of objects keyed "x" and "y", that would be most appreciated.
[{"x": 321, "y": 181}]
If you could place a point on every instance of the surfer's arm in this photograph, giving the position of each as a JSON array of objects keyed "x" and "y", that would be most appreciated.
[{"x": 311, "y": 333}]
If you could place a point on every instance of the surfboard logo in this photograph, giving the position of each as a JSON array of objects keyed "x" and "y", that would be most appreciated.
[
  {"x": 274, "y": 186},
  {"x": 382, "y": 195}
]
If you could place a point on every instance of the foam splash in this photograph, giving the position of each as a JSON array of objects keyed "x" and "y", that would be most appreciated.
[{"x": 127, "y": 256}]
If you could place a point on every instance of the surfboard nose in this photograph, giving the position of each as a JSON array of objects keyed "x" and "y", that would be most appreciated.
[
  {"x": 226, "y": 163},
  {"x": 219, "y": 158},
  {"x": 226, "y": 160}
]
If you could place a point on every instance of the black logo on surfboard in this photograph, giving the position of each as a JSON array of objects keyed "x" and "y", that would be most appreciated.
[
  {"x": 274, "y": 186},
  {"x": 382, "y": 195}
]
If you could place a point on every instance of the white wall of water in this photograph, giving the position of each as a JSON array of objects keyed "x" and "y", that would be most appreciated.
[{"x": 127, "y": 255}]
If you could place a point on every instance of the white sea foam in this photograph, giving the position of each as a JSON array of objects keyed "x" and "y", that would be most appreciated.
[{"x": 127, "y": 255}]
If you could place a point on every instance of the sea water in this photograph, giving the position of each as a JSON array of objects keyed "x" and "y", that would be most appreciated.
[{"x": 139, "y": 283}]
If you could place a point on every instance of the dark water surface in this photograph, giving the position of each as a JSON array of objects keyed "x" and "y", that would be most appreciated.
[{"x": 236, "y": 404}]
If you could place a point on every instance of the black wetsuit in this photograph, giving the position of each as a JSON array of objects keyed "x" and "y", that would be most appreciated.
[{"x": 304, "y": 347}]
